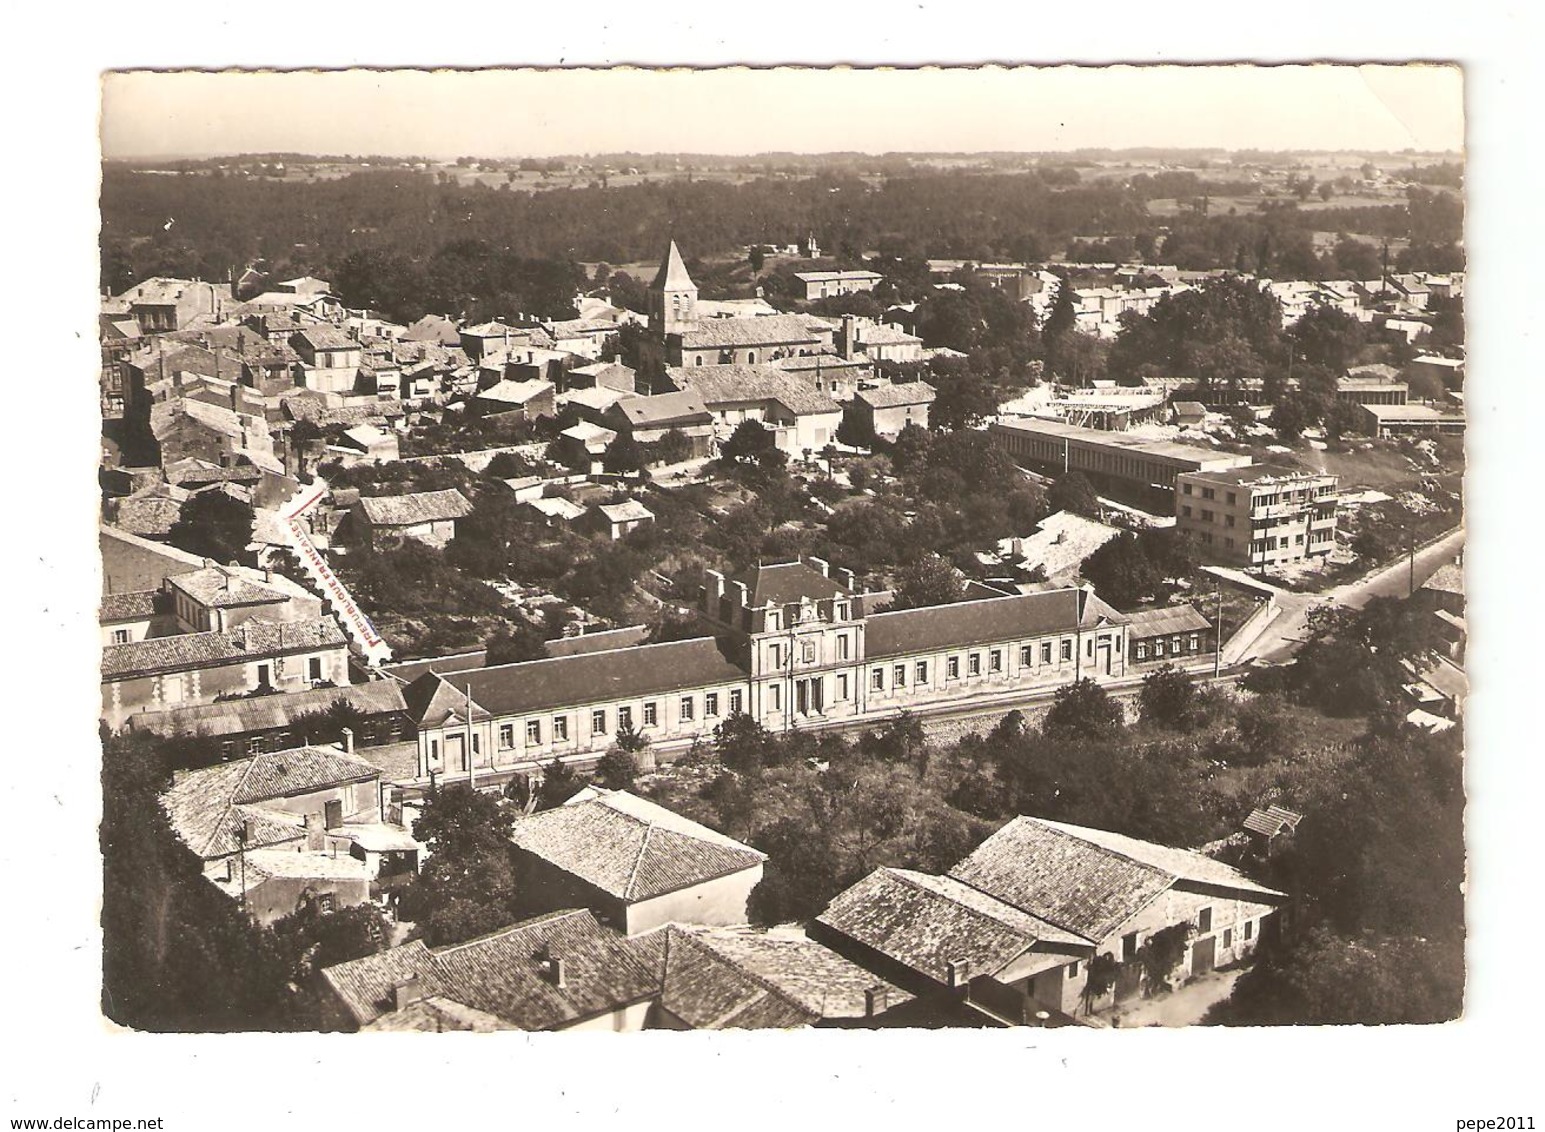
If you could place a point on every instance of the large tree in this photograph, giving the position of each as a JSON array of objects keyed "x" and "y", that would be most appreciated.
[
  {"x": 213, "y": 525},
  {"x": 929, "y": 581},
  {"x": 467, "y": 887}
]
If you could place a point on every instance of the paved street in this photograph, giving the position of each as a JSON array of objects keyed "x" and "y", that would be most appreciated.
[{"x": 1281, "y": 639}]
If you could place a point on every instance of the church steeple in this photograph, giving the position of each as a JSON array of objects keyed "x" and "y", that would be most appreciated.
[{"x": 672, "y": 295}]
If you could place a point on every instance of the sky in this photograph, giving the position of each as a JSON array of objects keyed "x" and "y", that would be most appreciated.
[{"x": 507, "y": 113}]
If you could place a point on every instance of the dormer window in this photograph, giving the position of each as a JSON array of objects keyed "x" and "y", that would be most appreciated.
[
  {"x": 774, "y": 621},
  {"x": 840, "y": 612}
]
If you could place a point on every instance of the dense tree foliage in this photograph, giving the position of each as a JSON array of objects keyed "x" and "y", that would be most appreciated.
[
  {"x": 1379, "y": 864},
  {"x": 215, "y": 526},
  {"x": 467, "y": 887},
  {"x": 928, "y": 581},
  {"x": 1083, "y": 710},
  {"x": 178, "y": 954},
  {"x": 407, "y": 242},
  {"x": 1222, "y": 333}
]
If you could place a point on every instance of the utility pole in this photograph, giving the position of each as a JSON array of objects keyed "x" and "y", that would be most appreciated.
[
  {"x": 471, "y": 761},
  {"x": 241, "y": 853},
  {"x": 1217, "y": 634}
]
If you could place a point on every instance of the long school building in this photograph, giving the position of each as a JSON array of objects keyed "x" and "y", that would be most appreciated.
[
  {"x": 796, "y": 645},
  {"x": 1146, "y": 467}
]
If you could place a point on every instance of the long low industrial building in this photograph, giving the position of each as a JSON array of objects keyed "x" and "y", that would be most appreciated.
[{"x": 1118, "y": 458}]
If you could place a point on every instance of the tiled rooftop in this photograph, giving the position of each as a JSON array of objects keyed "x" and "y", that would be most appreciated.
[
  {"x": 198, "y": 650},
  {"x": 629, "y": 848},
  {"x": 419, "y": 507}
]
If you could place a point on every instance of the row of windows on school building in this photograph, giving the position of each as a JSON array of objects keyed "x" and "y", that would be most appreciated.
[{"x": 811, "y": 699}]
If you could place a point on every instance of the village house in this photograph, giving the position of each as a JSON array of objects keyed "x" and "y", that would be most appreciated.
[
  {"x": 887, "y": 409},
  {"x": 1176, "y": 634},
  {"x": 198, "y": 668},
  {"x": 330, "y": 359},
  {"x": 366, "y": 444},
  {"x": 837, "y": 377},
  {"x": 562, "y": 971},
  {"x": 735, "y": 978},
  {"x": 1014, "y": 929},
  {"x": 603, "y": 375},
  {"x": 826, "y": 284},
  {"x": 259, "y": 724},
  {"x": 485, "y": 338},
  {"x": 613, "y": 521},
  {"x": 1450, "y": 371},
  {"x": 585, "y": 337},
  {"x": 635, "y": 864},
  {"x": 132, "y": 563},
  {"x": 557, "y": 511},
  {"x": 150, "y": 512},
  {"x": 592, "y": 438},
  {"x": 1270, "y": 828},
  {"x": 225, "y": 597},
  {"x": 288, "y": 829},
  {"x": 525, "y": 400},
  {"x": 162, "y": 305},
  {"x": 136, "y": 615},
  {"x": 433, "y": 328},
  {"x": 304, "y": 285},
  {"x": 877, "y": 341},
  {"x": 648, "y": 419},
  {"x": 800, "y": 418},
  {"x": 119, "y": 337},
  {"x": 428, "y": 517}
]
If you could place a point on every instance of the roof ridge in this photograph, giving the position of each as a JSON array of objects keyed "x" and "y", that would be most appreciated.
[
  {"x": 1064, "y": 827},
  {"x": 903, "y": 875},
  {"x": 550, "y": 659},
  {"x": 643, "y": 847},
  {"x": 769, "y": 988},
  {"x": 980, "y": 601},
  {"x": 500, "y": 933}
]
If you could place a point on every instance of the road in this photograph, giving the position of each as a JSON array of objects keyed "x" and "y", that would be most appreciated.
[
  {"x": 1281, "y": 639},
  {"x": 350, "y": 616}
]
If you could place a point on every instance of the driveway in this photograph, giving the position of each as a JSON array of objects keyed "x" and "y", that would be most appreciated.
[{"x": 1184, "y": 1007}]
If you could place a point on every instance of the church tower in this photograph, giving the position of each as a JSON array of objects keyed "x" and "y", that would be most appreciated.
[{"x": 672, "y": 297}]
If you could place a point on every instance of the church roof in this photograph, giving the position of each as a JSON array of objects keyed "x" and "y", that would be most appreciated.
[{"x": 672, "y": 275}]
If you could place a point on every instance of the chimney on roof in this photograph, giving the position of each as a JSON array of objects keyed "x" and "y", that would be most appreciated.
[
  {"x": 820, "y": 564},
  {"x": 555, "y": 971},
  {"x": 406, "y": 993},
  {"x": 348, "y": 740},
  {"x": 230, "y": 869},
  {"x": 875, "y": 1000},
  {"x": 714, "y": 586},
  {"x": 959, "y": 972},
  {"x": 742, "y": 595},
  {"x": 847, "y": 579}
]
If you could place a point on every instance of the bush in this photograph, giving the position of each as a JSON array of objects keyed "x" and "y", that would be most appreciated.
[{"x": 1083, "y": 710}]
